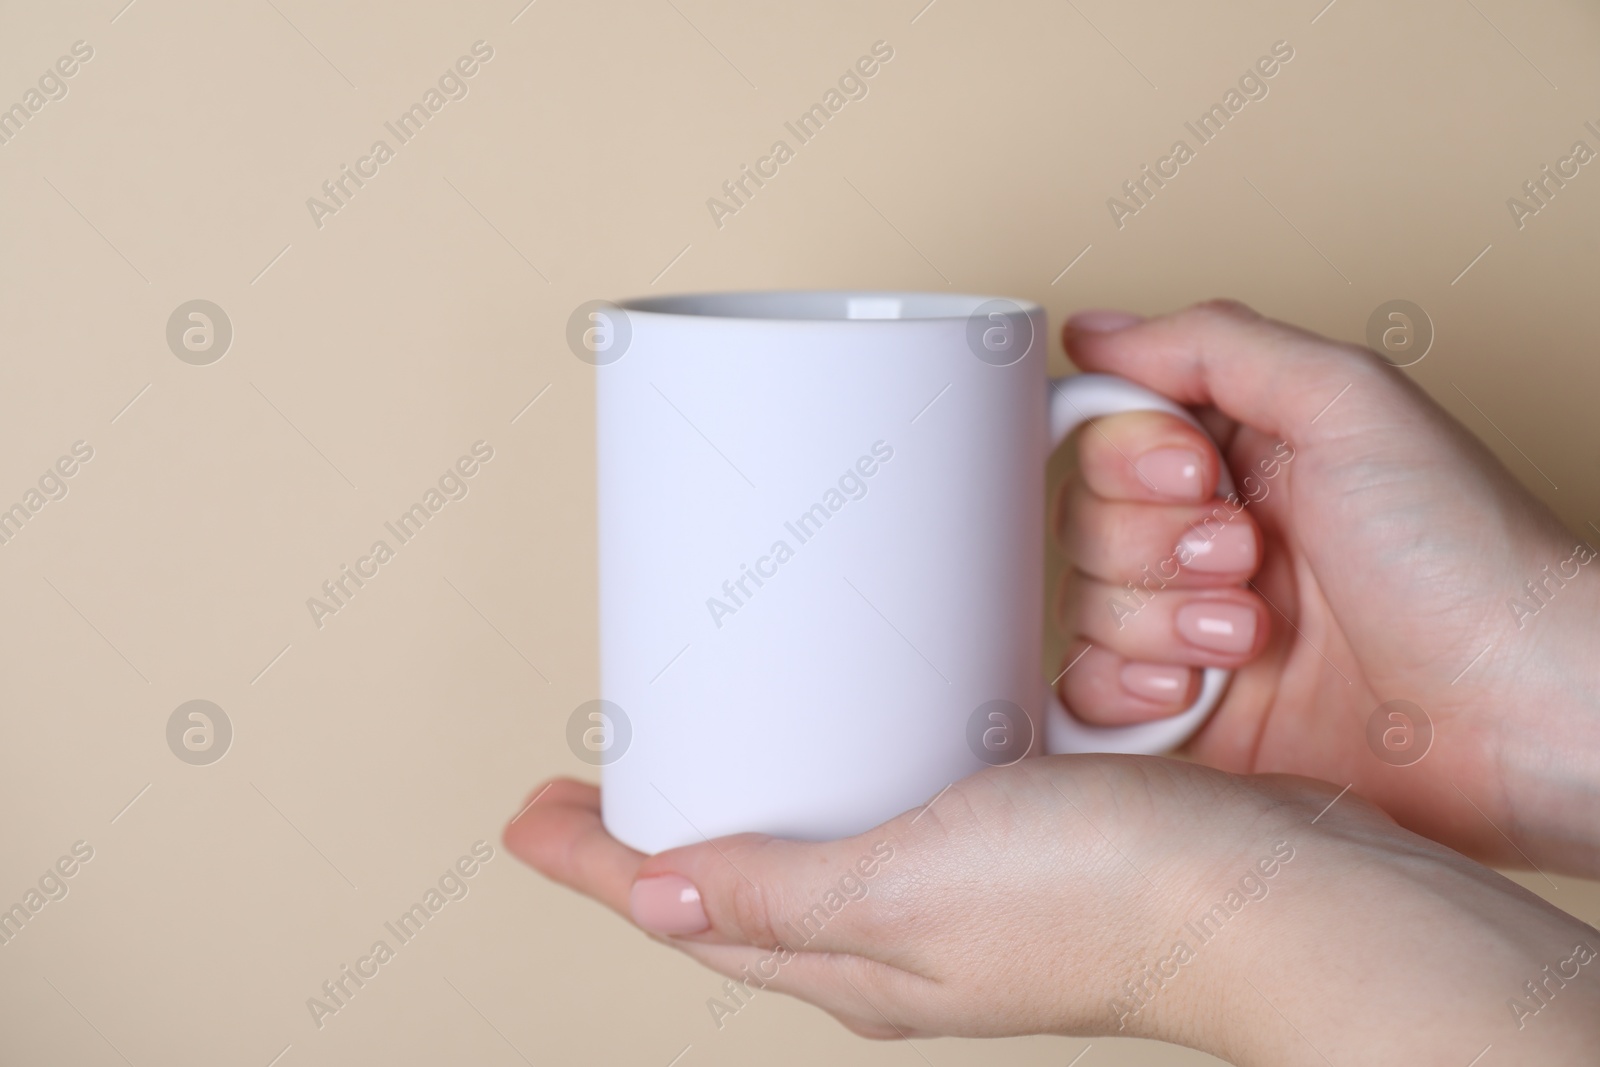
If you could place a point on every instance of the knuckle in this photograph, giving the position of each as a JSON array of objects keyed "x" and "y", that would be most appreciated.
[
  {"x": 1225, "y": 308},
  {"x": 1069, "y": 595},
  {"x": 1075, "y": 524},
  {"x": 963, "y": 810},
  {"x": 1067, "y": 501},
  {"x": 750, "y": 911},
  {"x": 1360, "y": 358},
  {"x": 1125, "y": 531}
]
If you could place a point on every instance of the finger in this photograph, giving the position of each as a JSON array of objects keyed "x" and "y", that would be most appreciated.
[
  {"x": 1273, "y": 376},
  {"x": 751, "y": 889},
  {"x": 1187, "y": 546},
  {"x": 1224, "y": 627},
  {"x": 762, "y": 890},
  {"x": 558, "y": 833},
  {"x": 1107, "y": 689},
  {"x": 1147, "y": 455}
]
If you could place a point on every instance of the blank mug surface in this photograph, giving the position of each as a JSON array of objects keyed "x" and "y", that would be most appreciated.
[{"x": 820, "y": 554}]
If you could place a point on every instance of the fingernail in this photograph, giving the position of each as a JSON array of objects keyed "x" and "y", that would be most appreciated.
[
  {"x": 1219, "y": 627},
  {"x": 1172, "y": 472},
  {"x": 1102, "y": 321},
  {"x": 1155, "y": 681},
  {"x": 1229, "y": 550},
  {"x": 667, "y": 904}
]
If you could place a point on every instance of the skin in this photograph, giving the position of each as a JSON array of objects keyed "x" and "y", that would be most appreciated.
[
  {"x": 1024, "y": 899},
  {"x": 1388, "y": 549},
  {"x": 1050, "y": 896}
]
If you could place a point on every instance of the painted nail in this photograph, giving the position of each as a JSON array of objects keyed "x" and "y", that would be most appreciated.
[
  {"x": 1217, "y": 626},
  {"x": 1172, "y": 472},
  {"x": 1155, "y": 681},
  {"x": 1229, "y": 550},
  {"x": 667, "y": 904},
  {"x": 1102, "y": 321}
]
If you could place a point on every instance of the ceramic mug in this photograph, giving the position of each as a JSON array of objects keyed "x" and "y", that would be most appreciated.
[{"x": 821, "y": 551}]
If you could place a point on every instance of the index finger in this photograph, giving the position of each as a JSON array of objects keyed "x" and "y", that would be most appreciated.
[{"x": 1147, "y": 456}]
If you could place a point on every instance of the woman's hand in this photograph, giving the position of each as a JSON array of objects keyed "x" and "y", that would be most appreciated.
[
  {"x": 1112, "y": 895},
  {"x": 1391, "y": 558}
]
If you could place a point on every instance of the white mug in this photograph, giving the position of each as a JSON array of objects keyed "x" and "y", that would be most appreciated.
[{"x": 821, "y": 550}]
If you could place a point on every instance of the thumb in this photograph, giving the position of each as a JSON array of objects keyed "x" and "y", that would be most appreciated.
[
  {"x": 1269, "y": 375},
  {"x": 762, "y": 891}
]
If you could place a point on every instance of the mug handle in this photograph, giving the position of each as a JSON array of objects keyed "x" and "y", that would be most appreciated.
[{"x": 1074, "y": 401}]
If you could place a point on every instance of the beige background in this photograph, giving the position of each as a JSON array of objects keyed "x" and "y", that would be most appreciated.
[{"x": 370, "y": 353}]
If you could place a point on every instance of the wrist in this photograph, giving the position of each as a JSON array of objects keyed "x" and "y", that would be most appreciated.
[
  {"x": 1369, "y": 914},
  {"x": 1549, "y": 746}
]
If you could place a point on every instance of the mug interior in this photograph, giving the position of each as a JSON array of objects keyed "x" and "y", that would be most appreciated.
[{"x": 820, "y": 305}]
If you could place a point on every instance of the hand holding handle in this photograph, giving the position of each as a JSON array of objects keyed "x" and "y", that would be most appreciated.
[{"x": 1074, "y": 401}]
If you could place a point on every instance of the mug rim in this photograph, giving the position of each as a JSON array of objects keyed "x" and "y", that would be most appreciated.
[{"x": 768, "y": 305}]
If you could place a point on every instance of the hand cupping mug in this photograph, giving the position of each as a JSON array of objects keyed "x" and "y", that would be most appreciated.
[{"x": 821, "y": 522}]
